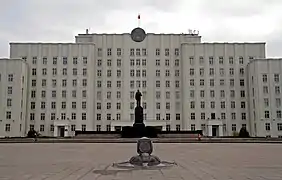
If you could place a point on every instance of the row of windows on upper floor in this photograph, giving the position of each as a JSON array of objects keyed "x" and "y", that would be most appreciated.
[
  {"x": 132, "y": 61},
  {"x": 132, "y": 72},
  {"x": 276, "y": 78}
]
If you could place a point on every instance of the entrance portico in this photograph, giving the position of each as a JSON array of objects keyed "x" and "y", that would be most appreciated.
[
  {"x": 117, "y": 125},
  {"x": 214, "y": 128},
  {"x": 62, "y": 128}
]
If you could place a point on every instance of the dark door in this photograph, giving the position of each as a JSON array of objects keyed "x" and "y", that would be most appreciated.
[
  {"x": 214, "y": 131},
  {"x": 62, "y": 131}
]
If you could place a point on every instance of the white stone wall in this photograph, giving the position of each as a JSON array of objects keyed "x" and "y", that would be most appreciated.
[
  {"x": 261, "y": 74},
  {"x": 13, "y": 83}
]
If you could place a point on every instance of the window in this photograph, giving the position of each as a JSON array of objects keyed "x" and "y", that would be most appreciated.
[
  {"x": 212, "y": 104},
  {"x": 176, "y": 62},
  {"x": 43, "y": 105},
  {"x": 221, "y": 71},
  {"x": 192, "y": 72},
  {"x": 167, "y": 117},
  {"x": 73, "y": 93},
  {"x": 203, "y": 116},
  {"x": 158, "y": 84},
  {"x": 10, "y": 90},
  {"x": 55, "y": 59},
  {"x": 233, "y": 127},
  {"x": 221, "y": 82},
  {"x": 83, "y": 127},
  {"x": 211, "y": 60},
  {"x": 191, "y": 59},
  {"x": 222, "y": 93},
  {"x": 158, "y": 94},
  {"x": 223, "y": 116},
  {"x": 83, "y": 116},
  {"x": 33, "y": 82},
  {"x": 100, "y": 52},
  {"x": 65, "y": 72},
  {"x": 265, "y": 89},
  {"x": 167, "y": 73},
  {"x": 241, "y": 60},
  {"x": 266, "y": 114},
  {"x": 201, "y": 60},
  {"x": 279, "y": 126},
  {"x": 167, "y": 62},
  {"x": 243, "y": 116},
  {"x": 202, "y": 93},
  {"x": 192, "y": 83},
  {"x": 84, "y": 60},
  {"x": 212, "y": 82},
  {"x": 192, "y": 116},
  {"x": 166, "y": 52},
  {"x": 192, "y": 104},
  {"x": 109, "y": 52},
  {"x": 222, "y": 105},
  {"x": 231, "y": 60},
  {"x": 109, "y": 117},
  {"x": 64, "y": 105},
  {"x": 84, "y": 82},
  {"x": 138, "y": 52},
  {"x": 109, "y": 105},
  {"x": 158, "y": 73},
  {"x": 264, "y": 78},
  {"x": 233, "y": 116},
  {"x": 211, "y": 71},
  {"x": 158, "y": 105},
  {"x": 167, "y": 84},
  {"x": 109, "y": 73},
  {"x": 44, "y": 60},
  {"x": 233, "y": 104},
  {"x": 144, "y": 74},
  {"x": 192, "y": 93},
  {"x": 167, "y": 106},
  {"x": 118, "y": 62},
  {"x": 109, "y": 62},
  {"x": 276, "y": 78},
  {"x": 167, "y": 127},
  {"x": 158, "y": 62},
  {"x": 84, "y": 72},
  {"x": 267, "y": 126},
  {"x": 243, "y": 104},
  {"x": 242, "y": 82},
  {"x": 231, "y": 71},
  {"x": 43, "y": 83},
  {"x": 54, "y": 71},
  {"x": 242, "y": 71},
  {"x": 220, "y": 60},
  {"x": 34, "y": 60},
  {"x": 203, "y": 104},
  {"x": 212, "y": 93},
  {"x": 277, "y": 90},
  {"x": 42, "y": 116},
  {"x": 118, "y": 51},
  {"x": 202, "y": 82},
  {"x": 193, "y": 127},
  {"x": 278, "y": 102},
  {"x": 74, "y": 60},
  {"x": 7, "y": 127},
  {"x": 65, "y": 60},
  {"x": 44, "y": 71},
  {"x": 33, "y": 72},
  {"x": 84, "y": 105},
  {"x": 231, "y": 82},
  {"x": 266, "y": 102},
  {"x": 144, "y": 52},
  {"x": 64, "y": 94},
  {"x": 73, "y": 127},
  {"x": 8, "y": 115}
]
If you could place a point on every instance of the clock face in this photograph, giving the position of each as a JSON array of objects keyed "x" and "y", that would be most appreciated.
[{"x": 138, "y": 35}]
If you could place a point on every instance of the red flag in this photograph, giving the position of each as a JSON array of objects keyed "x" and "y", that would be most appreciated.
[{"x": 138, "y": 16}]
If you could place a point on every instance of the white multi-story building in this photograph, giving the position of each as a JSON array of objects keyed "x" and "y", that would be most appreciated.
[
  {"x": 13, "y": 97},
  {"x": 264, "y": 86},
  {"x": 90, "y": 84}
]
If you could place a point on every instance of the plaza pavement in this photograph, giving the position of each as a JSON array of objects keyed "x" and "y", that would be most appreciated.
[{"x": 200, "y": 161}]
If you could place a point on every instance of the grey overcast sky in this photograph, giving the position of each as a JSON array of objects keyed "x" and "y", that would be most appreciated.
[{"x": 217, "y": 20}]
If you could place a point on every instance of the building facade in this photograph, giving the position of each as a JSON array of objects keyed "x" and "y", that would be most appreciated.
[
  {"x": 90, "y": 85},
  {"x": 13, "y": 97},
  {"x": 264, "y": 86}
]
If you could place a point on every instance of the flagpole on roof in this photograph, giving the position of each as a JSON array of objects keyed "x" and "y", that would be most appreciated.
[{"x": 138, "y": 20}]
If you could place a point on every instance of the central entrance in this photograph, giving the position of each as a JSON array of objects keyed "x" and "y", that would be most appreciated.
[
  {"x": 61, "y": 131},
  {"x": 215, "y": 130}
]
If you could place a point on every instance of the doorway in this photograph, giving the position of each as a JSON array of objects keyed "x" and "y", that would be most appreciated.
[
  {"x": 61, "y": 131},
  {"x": 215, "y": 132}
]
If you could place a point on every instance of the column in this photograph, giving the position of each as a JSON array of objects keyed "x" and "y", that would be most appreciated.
[
  {"x": 220, "y": 133},
  {"x": 55, "y": 131}
]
